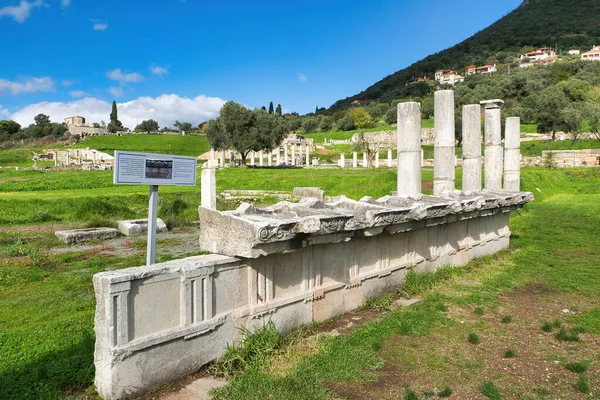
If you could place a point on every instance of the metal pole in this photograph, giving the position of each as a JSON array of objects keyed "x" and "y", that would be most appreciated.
[{"x": 152, "y": 206}]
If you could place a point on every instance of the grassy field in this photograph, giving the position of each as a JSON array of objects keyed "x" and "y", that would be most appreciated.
[
  {"x": 47, "y": 301},
  {"x": 494, "y": 329},
  {"x": 190, "y": 145}
]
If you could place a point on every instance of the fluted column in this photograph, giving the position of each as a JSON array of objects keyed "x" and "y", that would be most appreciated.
[
  {"x": 512, "y": 154},
  {"x": 408, "y": 142},
  {"x": 471, "y": 132},
  {"x": 443, "y": 150},
  {"x": 493, "y": 145}
]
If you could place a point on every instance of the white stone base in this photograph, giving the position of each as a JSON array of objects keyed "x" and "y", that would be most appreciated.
[{"x": 139, "y": 226}]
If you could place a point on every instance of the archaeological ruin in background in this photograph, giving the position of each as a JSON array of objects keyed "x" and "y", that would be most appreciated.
[{"x": 294, "y": 263}]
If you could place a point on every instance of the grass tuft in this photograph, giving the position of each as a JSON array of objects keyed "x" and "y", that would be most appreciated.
[
  {"x": 578, "y": 367},
  {"x": 447, "y": 392},
  {"x": 506, "y": 319},
  {"x": 490, "y": 391},
  {"x": 473, "y": 338},
  {"x": 410, "y": 395},
  {"x": 562, "y": 335},
  {"x": 479, "y": 310},
  {"x": 382, "y": 303},
  {"x": 557, "y": 324},
  {"x": 583, "y": 384},
  {"x": 510, "y": 353},
  {"x": 547, "y": 327},
  {"x": 252, "y": 354}
]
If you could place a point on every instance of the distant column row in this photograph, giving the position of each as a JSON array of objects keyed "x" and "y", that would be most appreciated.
[{"x": 496, "y": 161}]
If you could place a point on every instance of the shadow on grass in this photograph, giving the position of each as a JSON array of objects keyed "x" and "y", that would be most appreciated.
[{"x": 50, "y": 375}]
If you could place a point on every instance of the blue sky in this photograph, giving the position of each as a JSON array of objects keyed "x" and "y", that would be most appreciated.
[{"x": 174, "y": 59}]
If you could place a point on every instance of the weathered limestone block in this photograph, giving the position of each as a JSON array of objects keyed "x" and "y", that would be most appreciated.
[
  {"x": 252, "y": 232},
  {"x": 138, "y": 226},
  {"x": 82, "y": 235},
  {"x": 307, "y": 192}
]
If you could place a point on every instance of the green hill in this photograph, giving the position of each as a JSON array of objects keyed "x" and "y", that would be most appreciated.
[{"x": 563, "y": 23}]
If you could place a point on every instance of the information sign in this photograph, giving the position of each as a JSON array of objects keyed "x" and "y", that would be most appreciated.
[{"x": 132, "y": 168}]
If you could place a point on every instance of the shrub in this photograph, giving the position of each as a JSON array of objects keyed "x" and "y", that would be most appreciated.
[
  {"x": 506, "y": 319},
  {"x": 479, "y": 311},
  {"x": 447, "y": 392},
  {"x": 490, "y": 391},
  {"x": 346, "y": 124}
]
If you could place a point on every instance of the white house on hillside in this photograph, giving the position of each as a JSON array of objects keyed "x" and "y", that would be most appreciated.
[
  {"x": 574, "y": 52},
  {"x": 448, "y": 77},
  {"x": 539, "y": 54},
  {"x": 592, "y": 55},
  {"x": 483, "y": 70}
]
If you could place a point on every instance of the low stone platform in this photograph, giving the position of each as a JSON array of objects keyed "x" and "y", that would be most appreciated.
[
  {"x": 133, "y": 227},
  {"x": 83, "y": 235}
]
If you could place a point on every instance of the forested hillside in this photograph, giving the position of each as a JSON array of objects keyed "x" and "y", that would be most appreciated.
[{"x": 556, "y": 23}]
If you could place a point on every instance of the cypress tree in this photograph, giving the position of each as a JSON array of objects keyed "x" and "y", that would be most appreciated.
[
  {"x": 271, "y": 108},
  {"x": 278, "y": 110},
  {"x": 114, "y": 125}
]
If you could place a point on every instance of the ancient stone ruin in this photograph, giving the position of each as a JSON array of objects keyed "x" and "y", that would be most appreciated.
[{"x": 294, "y": 263}]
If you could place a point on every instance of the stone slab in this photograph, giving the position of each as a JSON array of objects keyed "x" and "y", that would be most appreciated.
[
  {"x": 197, "y": 390},
  {"x": 132, "y": 227},
  {"x": 82, "y": 235},
  {"x": 307, "y": 192}
]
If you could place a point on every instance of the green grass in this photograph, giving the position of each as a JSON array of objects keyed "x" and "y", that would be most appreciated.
[
  {"x": 506, "y": 319},
  {"x": 189, "y": 145},
  {"x": 47, "y": 301},
  {"x": 534, "y": 148}
]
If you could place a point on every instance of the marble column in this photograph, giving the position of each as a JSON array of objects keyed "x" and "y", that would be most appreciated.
[
  {"x": 471, "y": 132},
  {"x": 307, "y": 155},
  {"x": 389, "y": 158},
  {"x": 261, "y": 160},
  {"x": 222, "y": 158},
  {"x": 211, "y": 162},
  {"x": 512, "y": 154},
  {"x": 493, "y": 145},
  {"x": 208, "y": 187},
  {"x": 270, "y": 158},
  {"x": 278, "y": 153},
  {"x": 285, "y": 154},
  {"x": 408, "y": 142},
  {"x": 365, "y": 160},
  {"x": 252, "y": 158},
  {"x": 443, "y": 150},
  {"x": 68, "y": 157},
  {"x": 377, "y": 158},
  {"x": 342, "y": 160},
  {"x": 56, "y": 158},
  {"x": 354, "y": 159},
  {"x": 293, "y": 154}
]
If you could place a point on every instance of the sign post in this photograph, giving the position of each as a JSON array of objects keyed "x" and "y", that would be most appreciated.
[{"x": 132, "y": 168}]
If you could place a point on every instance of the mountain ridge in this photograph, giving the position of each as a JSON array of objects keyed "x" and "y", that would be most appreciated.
[{"x": 537, "y": 23}]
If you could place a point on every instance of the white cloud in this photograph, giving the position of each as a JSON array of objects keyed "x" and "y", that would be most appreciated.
[
  {"x": 121, "y": 77},
  {"x": 165, "y": 109},
  {"x": 67, "y": 83},
  {"x": 100, "y": 27},
  {"x": 4, "y": 112},
  {"x": 160, "y": 71},
  {"x": 21, "y": 12},
  {"x": 65, "y": 3},
  {"x": 42, "y": 84},
  {"x": 77, "y": 93},
  {"x": 116, "y": 91},
  {"x": 302, "y": 78}
]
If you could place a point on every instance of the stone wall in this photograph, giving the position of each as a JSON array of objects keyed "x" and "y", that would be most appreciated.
[
  {"x": 573, "y": 158},
  {"x": 389, "y": 137}
]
